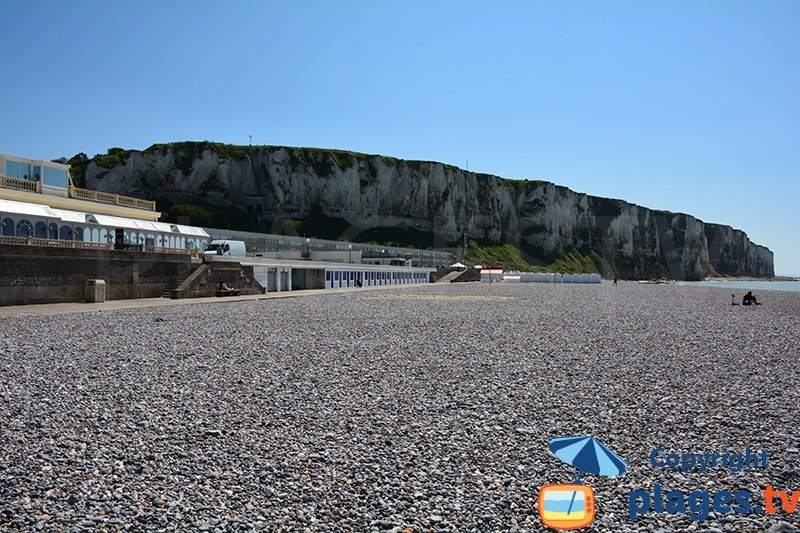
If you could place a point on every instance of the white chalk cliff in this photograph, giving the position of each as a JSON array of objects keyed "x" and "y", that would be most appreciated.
[{"x": 544, "y": 220}]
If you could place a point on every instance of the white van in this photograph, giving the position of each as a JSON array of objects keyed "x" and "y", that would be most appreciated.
[{"x": 234, "y": 248}]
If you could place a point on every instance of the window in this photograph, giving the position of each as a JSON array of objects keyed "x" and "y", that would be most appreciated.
[
  {"x": 55, "y": 177},
  {"x": 24, "y": 228},
  {"x": 327, "y": 276},
  {"x": 53, "y": 233},
  {"x": 65, "y": 233},
  {"x": 8, "y": 226},
  {"x": 11, "y": 169}
]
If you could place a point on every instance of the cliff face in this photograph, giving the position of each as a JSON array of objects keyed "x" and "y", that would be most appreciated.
[{"x": 435, "y": 202}]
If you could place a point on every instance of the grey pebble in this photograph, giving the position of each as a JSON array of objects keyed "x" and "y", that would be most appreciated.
[
  {"x": 781, "y": 527},
  {"x": 381, "y": 411}
]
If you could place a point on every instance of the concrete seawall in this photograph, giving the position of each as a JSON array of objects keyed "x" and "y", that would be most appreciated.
[{"x": 37, "y": 274}]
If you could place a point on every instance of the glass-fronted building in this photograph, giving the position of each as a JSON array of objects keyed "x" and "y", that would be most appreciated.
[
  {"x": 45, "y": 176},
  {"x": 38, "y": 201}
]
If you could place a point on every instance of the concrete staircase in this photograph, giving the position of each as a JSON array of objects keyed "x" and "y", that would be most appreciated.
[
  {"x": 176, "y": 281},
  {"x": 447, "y": 278}
]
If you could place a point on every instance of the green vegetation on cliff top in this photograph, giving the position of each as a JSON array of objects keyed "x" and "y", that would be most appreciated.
[
  {"x": 512, "y": 260},
  {"x": 186, "y": 151}
]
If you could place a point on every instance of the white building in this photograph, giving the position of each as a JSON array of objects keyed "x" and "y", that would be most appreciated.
[{"x": 38, "y": 201}]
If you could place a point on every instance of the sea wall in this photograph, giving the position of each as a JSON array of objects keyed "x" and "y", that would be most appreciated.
[{"x": 38, "y": 274}]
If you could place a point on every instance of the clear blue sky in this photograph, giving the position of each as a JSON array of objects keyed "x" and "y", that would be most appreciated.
[{"x": 688, "y": 106}]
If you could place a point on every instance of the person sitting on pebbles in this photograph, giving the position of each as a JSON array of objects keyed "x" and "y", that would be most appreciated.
[
  {"x": 750, "y": 299},
  {"x": 227, "y": 291}
]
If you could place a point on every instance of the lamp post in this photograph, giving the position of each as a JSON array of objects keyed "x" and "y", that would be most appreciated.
[
  {"x": 349, "y": 253},
  {"x": 307, "y": 250}
]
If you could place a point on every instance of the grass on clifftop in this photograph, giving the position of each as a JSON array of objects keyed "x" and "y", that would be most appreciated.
[{"x": 314, "y": 157}]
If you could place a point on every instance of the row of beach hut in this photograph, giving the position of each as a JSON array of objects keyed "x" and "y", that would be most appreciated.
[{"x": 550, "y": 277}]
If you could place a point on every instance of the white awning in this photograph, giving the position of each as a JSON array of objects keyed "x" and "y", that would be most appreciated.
[
  {"x": 132, "y": 223},
  {"x": 163, "y": 226},
  {"x": 191, "y": 230},
  {"x": 117, "y": 222},
  {"x": 70, "y": 216},
  {"x": 23, "y": 208},
  {"x": 75, "y": 217}
]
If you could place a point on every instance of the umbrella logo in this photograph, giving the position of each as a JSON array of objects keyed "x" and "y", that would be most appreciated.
[{"x": 571, "y": 506}]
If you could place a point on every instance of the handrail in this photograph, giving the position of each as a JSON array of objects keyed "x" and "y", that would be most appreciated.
[
  {"x": 172, "y": 250},
  {"x": 58, "y": 243},
  {"x": 20, "y": 185},
  {"x": 76, "y": 192},
  {"x": 109, "y": 198}
]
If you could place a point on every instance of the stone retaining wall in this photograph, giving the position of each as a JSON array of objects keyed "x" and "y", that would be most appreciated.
[{"x": 38, "y": 274}]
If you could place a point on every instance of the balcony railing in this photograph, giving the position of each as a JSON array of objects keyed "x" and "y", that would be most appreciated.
[
  {"x": 20, "y": 185},
  {"x": 58, "y": 243},
  {"x": 84, "y": 194},
  {"x": 108, "y": 198}
]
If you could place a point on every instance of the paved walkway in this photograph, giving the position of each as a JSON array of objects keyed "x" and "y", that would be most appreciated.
[{"x": 64, "y": 308}]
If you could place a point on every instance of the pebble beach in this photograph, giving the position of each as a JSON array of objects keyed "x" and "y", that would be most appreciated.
[{"x": 407, "y": 410}]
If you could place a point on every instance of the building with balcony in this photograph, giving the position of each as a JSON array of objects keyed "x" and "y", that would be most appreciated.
[{"x": 39, "y": 201}]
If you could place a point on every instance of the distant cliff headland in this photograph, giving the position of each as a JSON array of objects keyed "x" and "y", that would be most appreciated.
[{"x": 339, "y": 194}]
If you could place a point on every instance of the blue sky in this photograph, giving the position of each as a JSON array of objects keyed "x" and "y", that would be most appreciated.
[{"x": 688, "y": 106}]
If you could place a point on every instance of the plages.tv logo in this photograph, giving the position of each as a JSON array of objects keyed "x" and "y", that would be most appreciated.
[{"x": 571, "y": 505}]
